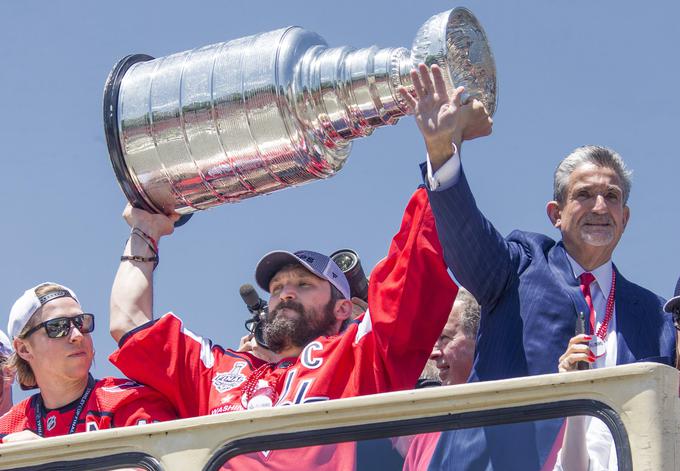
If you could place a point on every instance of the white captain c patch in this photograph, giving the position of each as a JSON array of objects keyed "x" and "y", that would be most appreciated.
[{"x": 306, "y": 358}]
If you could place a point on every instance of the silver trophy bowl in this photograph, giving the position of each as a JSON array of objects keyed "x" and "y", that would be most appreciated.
[{"x": 233, "y": 120}]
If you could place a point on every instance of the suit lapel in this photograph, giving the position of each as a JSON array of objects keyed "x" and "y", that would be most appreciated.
[
  {"x": 628, "y": 325},
  {"x": 561, "y": 269}
]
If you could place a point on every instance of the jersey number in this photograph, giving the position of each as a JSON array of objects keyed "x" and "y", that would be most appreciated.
[{"x": 301, "y": 390}]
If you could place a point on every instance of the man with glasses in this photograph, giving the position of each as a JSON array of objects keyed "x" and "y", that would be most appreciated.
[{"x": 53, "y": 351}]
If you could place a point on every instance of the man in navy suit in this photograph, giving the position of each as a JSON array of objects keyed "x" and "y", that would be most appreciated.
[{"x": 532, "y": 289}]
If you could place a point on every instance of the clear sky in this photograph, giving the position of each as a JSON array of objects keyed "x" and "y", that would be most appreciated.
[{"x": 570, "y": 73}]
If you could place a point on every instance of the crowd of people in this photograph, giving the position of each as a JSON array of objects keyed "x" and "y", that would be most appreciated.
[{"x": 515, "y": 314}]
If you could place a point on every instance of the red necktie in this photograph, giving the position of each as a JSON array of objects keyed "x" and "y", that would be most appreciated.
[{"x": 586, "y": 279}]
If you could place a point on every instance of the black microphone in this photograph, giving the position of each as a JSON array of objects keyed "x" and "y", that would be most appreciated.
[
  {"x": 254, "y": 303},
  {"x": 581, "y": 329},
  {"x": 257, "y": 308}
]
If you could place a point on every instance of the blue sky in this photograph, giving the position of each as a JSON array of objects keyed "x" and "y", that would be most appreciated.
[{"x": 570, "y": 73}]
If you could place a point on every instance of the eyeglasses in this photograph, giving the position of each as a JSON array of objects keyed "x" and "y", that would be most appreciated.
[
  {"x": 61, "y": 326},
  {"x": 676, "y": 319}
]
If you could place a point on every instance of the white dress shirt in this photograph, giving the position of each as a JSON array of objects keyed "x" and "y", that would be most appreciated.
[
  {"x": 599, "y": 293},
  {"x": 447, "y": 175},
  {"x": 599, "y": 440}
]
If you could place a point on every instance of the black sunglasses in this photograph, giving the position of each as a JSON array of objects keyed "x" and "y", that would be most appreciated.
[{"x": 61, "y": 326}]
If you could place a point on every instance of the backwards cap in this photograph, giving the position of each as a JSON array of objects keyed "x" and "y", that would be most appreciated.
[{"x": 29, "y": 303}]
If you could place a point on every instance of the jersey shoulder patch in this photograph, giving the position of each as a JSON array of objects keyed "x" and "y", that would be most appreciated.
[{"x": 228, "y": 380}]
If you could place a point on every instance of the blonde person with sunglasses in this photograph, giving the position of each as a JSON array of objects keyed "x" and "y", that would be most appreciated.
[{"x": 53, "y": 351}]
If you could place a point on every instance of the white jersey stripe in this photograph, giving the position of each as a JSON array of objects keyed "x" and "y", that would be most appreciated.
[
  {"x": 365, "y": 326},
  {"x": 207, "y": 356}
]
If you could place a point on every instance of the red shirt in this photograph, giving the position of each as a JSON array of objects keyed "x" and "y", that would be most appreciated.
[
  {"x": 112, "y": 403},
  {"x": 410, "y": 296},
  {"x": 420, "y": 451}
]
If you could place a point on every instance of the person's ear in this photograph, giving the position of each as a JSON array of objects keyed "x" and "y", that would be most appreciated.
[
  {"x": 23, "y": 349},
  {"x": 554, "y": 213},
  {"x": 343, "y": 309},
  {"x": 626, "y": 215}
]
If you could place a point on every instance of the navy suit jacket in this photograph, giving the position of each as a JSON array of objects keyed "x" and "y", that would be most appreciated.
[{"x": 530, "y": 300}]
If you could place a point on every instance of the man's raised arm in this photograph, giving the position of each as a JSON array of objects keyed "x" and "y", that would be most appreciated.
[
  {"x": 479, "y": 257},
  {"x": 132, "y": 292}
]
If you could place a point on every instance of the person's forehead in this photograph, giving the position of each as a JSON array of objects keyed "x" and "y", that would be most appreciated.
[
  {"x": 588, "y": 175},
  {"x": 453, "y": 324},
  {"x": 60, "y": 307},
  {"x": 293, "y": 271}
]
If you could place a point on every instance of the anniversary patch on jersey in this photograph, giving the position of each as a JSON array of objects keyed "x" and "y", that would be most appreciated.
[{"x": 229, "y": 380}]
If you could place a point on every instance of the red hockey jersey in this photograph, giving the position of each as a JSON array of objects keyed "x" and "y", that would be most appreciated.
[
  {"x": 111, "y": 403},
  {"x": 410, "y": 296}
]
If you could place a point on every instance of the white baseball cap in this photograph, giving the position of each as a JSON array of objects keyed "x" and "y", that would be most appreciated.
[{"x": 29, "y": 303}]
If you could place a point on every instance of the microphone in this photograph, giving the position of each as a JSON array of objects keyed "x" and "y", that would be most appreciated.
[
  {"x": 581, "y": 329},
  {"x": 257, "y": 308},
  {"x": 254, "y": 303}
]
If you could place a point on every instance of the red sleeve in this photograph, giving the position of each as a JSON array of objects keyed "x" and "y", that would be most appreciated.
[
  {"x": 410, "y": 297},
  {"x": 173, "y": 360},
  {"x": 144, "y": 406}
]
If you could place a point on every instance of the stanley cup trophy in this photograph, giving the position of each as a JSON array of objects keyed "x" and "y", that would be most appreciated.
[{"x": 228, "y": 121}]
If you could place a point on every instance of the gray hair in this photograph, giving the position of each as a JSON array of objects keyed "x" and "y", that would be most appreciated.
[
  {"x": 470, "y": 314},
  {"x": 596, "y": 155}
]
